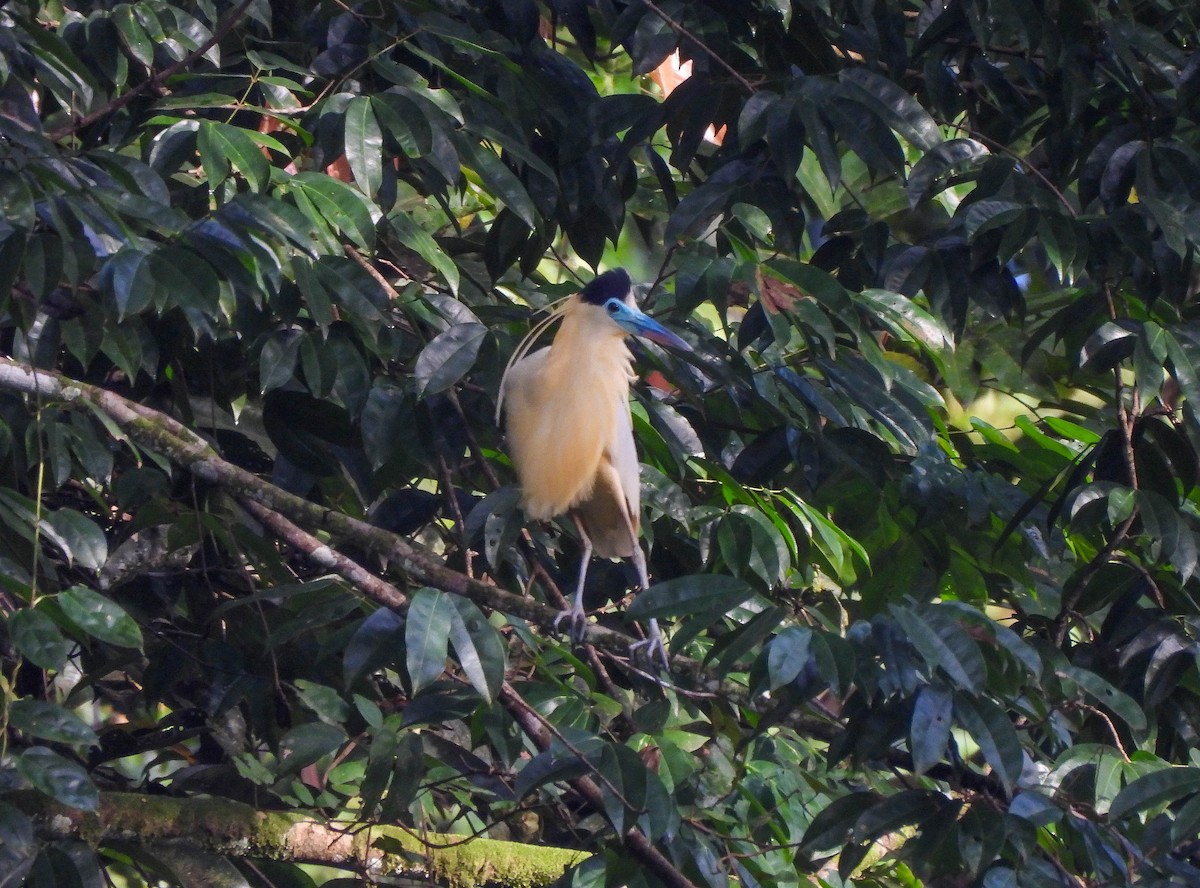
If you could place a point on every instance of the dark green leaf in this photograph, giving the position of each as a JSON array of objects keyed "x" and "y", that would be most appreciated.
[
  {"x": 832, "y": 826},
  {"x": 895, "y": 105},
  {"x": 501, "y": 182},
  {"x": 99, "y": 617},
  {"x": 323, "y": 700},
  {"x": 416, "y": 238},
  {"x": 939, "y": 163},
  {"x": 1117, "y": 701},
  {"x": 308, "y": 743},
  {"x": 61, "y": 779},
  {"x": 373, "y": 645},
  {"x": 1155, "y": 789},
  {"x": 929, "y": 733},
  {"x": 990, "y": 727},
  {"x": 944, "y": 645},
  {"x": 894, "y": 813},
  {"x": 787, "y": 655},
  {"x": 81, "y": 540},
  {"x": 364, "y": 144},
  {"x": 448, "y": 357},
  {"x": 49, "y": 721},
  {"x": 477, "y": 647},
  {"x": 37, "y": 637},
  {"x": 688, "y": 595},
  {"x": 427, "y": 636}
]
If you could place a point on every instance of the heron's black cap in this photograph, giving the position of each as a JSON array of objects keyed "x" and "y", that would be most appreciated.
[{"x": 613, "y": 284}]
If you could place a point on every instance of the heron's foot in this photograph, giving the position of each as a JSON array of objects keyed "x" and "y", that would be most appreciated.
[
  {"x": 652, "y": 652},
  {"x": 577, "y": 623}
]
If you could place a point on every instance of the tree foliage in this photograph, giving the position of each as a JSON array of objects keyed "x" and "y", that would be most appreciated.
[{"x": 921, "y": 506}]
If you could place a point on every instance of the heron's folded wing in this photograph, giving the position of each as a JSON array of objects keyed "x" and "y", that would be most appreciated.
[{"x": 624, "y": 458}]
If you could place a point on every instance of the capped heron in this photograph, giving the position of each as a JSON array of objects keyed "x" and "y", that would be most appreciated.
[{"x": 570, "y": 431}]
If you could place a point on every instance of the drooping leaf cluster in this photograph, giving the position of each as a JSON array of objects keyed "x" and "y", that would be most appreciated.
[{"x": 921, "y": 507}]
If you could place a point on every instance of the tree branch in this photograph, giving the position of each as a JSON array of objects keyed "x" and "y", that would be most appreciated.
[
  {"x": 226, "y": 827},
  {"x": 222, "y": 28},
  {"x": 636, "y": 841}
]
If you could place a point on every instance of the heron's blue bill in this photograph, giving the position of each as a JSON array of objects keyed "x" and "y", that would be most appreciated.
[{"x": 638, "y": 323}]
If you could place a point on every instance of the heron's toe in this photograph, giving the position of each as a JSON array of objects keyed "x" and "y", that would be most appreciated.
[
  {"x": 577, "y": 623},
  {"x": 652, "y": 652}
]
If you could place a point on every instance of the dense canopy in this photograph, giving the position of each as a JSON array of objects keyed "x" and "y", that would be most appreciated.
[{"x": 920, "y": 507}]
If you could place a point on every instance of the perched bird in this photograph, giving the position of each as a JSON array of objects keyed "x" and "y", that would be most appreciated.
[{"x": 570, "y": 432}]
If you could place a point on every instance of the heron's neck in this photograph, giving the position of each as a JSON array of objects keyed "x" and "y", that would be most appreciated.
[{"x": 584, "y": 348}]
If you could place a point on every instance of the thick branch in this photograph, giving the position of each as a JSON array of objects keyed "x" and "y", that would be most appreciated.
[
  {"x": 221, "y": 826},
  {"x": 155, "y": 431}
]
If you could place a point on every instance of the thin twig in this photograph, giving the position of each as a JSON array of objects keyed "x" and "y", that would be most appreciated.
[
  {"x": 223, "y": 27},
  {"x": 684, "y": 32},
  {"x": 635, "y": 841}
]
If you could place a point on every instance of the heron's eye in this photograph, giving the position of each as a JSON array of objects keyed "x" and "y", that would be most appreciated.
[{"x": 612, "y": 308}]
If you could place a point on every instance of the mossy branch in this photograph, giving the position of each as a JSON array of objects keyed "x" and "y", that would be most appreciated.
[{"x": 225, "y": 827}]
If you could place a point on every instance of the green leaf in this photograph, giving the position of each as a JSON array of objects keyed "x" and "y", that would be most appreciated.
[
  {"x": 939, "y": 163},
  {"x": 749, "y": 540},
  {"x": 374, "y": 644},
  {"x": 127, "y": 277},
  {"x": 323, "y": 700},
  {"x": 408, "y": 120},
  {"x": 894, "y": 813},
  {"x": 448, "y": 357},
  {"x": 985, "y": 215},
  {"x": 787, "y": 655},
  {"x": 427, "y": 636},
  {"x": 929, "y": 731},
  {"x": 1172, "y": 538},
  {"x": 49, "y": 721},
  {"x": 690, "y": 595},
  {"x": 277, "y": 360},
  {"x": 340, "y": 205},
  {"x": 989, "y": 726},
  {"x": 895, "y": 105},
  {"x": 832, "y": 826},
  {"x": 59, "y": 778},
  {"x": 835, "y": 661},
  {"x": 477, "y": 647},
  {"x": 1154, "y": 790},
  {"x": 1182, "y": 366},
  {"x": 364, "y": 144},
  {"x": 37, "y": 638},
  {"x": 1107, "y": 347},
  {"x": 242, "y": 152},
  {"x": 81, "y": 541},
  {"x": 500, "y": 181},
  {"x": 308, "y": 743},
  {"x": 416, "y": 238},
  {"x": 944, "y": 644},
  {"x": 1113, "y": 699},
  {"x": 133, "y": 35},
  {"x": 99, "y": 617},
  {"x": 905, "y": 318},
  {"x": 1187, "y": 822}
]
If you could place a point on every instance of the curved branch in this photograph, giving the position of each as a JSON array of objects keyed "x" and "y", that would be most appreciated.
[
  {"x": 226, "y": 827},
  {"x": 160, "y": 433}
]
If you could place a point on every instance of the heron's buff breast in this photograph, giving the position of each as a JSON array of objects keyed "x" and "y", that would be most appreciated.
[{"x": 561, "y": 410}]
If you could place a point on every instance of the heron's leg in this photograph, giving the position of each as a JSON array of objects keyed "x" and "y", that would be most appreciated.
[
  {"x": 575, "y": 615},
  {"x": 655, "y": 650}
]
